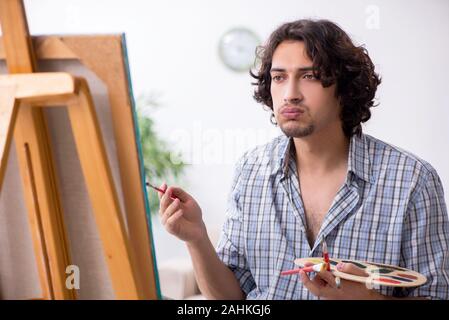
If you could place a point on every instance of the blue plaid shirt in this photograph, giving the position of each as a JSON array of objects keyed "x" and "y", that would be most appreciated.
[{"x": 390, "y": 210}]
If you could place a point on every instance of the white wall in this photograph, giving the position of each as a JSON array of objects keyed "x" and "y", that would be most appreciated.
[{"x": 173, "y": 52}]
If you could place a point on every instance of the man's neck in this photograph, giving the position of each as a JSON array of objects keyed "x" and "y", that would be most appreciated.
[{"x": 322, "y": 152}]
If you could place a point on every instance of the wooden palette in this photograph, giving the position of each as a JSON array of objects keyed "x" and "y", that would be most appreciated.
[{"x": 378, "y": 274}]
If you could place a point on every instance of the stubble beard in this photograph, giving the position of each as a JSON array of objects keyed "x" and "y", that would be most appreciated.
[{"x": 297, "y": 131}]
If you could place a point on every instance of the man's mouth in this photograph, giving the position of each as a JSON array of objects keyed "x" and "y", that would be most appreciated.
[{"x": 291, "y": 112}]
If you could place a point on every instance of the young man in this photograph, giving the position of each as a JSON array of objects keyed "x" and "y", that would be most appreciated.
[{"x": 322, "y": 180}]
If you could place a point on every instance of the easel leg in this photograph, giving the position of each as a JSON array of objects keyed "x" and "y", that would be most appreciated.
[
  {"x": 43, "y": 204},
  {"x": 31, "y": 130},
  {"x": 37, "y": 231},
  {"x": 103, "y": 196},
  {"x": 8, "y": 112}
]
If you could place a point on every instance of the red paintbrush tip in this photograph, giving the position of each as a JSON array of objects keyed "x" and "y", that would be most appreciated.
[
  {"x": 326, "y": 256},
  {"x": 160, "y": 190}
]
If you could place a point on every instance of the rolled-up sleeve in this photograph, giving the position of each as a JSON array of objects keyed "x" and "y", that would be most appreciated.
[
  {"x": 231, "y": 248},
  {"x": 425, "y": 241}
]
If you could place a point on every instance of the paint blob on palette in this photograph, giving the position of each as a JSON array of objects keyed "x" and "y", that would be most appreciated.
[{"x": 377, "y": 274}]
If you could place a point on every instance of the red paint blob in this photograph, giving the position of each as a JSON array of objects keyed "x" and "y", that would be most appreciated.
[
  {"x": 408, "y": 276},
  {"x": 389, "y": 281}
]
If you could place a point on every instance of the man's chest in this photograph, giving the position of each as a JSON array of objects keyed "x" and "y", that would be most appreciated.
[
  {"x": 276, "y": 216},
  {"x": 317, "y": 195}
]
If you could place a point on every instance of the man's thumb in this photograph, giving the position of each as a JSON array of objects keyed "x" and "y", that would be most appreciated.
[{"x": 351, "y": 269}]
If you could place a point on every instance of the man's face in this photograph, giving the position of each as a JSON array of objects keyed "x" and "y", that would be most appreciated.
[{"x": 301, "y": 104}]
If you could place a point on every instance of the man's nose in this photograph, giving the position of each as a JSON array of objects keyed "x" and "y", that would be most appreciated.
[{"x": 293, "y": 93}]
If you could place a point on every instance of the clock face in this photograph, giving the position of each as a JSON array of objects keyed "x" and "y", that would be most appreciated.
[{"x": 237, "y": 49}]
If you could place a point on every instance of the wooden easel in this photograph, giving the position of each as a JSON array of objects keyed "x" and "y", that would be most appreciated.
[{"x": 23, "y": 94}]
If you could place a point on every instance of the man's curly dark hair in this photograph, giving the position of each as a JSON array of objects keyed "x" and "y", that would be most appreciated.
[{"x": 335, "y": 60}]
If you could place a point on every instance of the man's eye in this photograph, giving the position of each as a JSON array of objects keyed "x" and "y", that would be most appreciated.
[
  {"x": 309, "y": 76},
  {"x": 276, "y": 78}
]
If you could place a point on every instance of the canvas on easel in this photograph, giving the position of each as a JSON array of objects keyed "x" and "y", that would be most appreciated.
[{"x": 101, "y": 61}]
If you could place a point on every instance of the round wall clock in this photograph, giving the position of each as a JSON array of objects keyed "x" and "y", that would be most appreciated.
[{"x": 237, "y": 49}]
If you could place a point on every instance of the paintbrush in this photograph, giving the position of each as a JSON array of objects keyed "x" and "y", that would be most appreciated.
[
  {"x": 160, "y": 190},
  {"x": 326, "y": 256},
  {"x": 315, "y": 268},
  {"x": 328, "y": 264}
]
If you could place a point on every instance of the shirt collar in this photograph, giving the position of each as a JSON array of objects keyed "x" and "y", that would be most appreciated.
[
  {"x": 358, "y": 161},
  {"x": 285, "y": 149}
]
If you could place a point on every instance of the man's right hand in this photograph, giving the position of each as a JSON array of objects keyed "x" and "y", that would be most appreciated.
[{"x": 181, "y": 217}]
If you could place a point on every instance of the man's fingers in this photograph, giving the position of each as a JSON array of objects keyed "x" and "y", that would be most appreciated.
[
  {"x": 171, "y": 209},
  {"x": 351, "y": 269},
  {"x": 178, "y": 193},
  {"x": 165, "y": 202},
  {"x": 320, "y": 282},
  {"x": 171, "y": 222},
  {"x": 309, "y": 284},
  {"x": 329, "y": 278}
]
